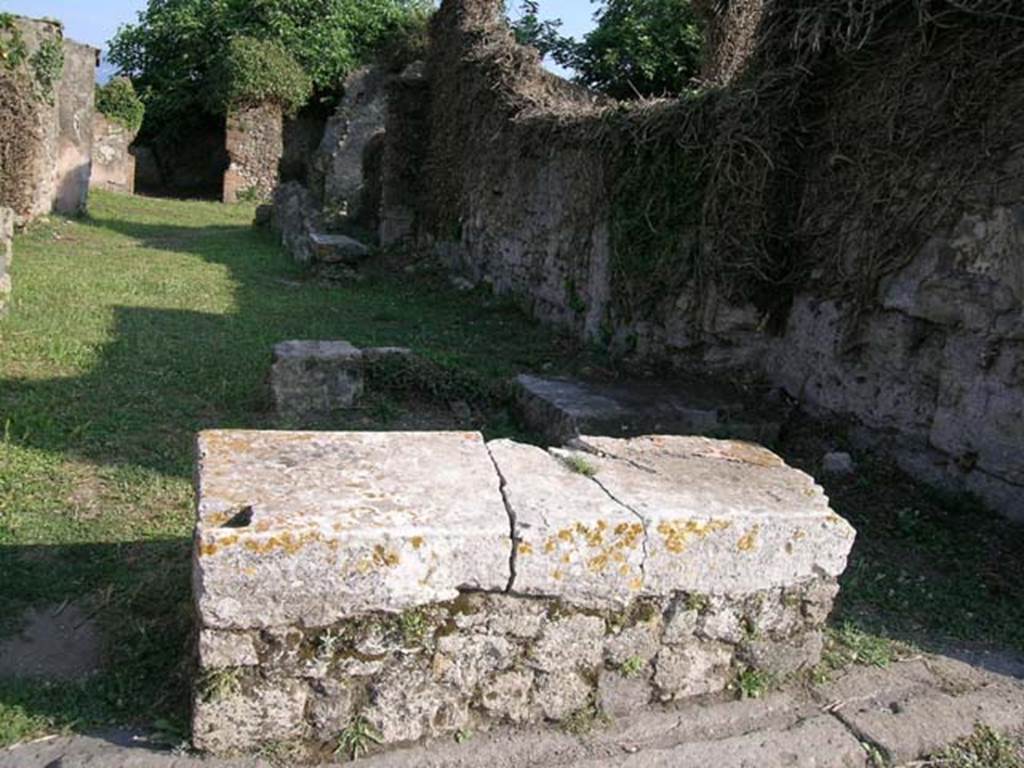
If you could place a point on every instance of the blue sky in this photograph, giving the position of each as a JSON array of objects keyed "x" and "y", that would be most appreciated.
[{"x": 95, "y": 21}]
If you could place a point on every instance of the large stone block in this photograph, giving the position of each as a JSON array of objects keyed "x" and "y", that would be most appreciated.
[
  {"x": 418, "y": 585},
  {"x": 308, "y": 528}
]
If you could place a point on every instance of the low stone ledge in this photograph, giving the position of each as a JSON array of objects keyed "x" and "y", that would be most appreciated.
[{"x": 416, "y": 584}]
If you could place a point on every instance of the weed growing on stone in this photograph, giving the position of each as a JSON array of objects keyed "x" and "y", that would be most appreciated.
[
  {"x": 847, "y": 644},
  {"x": 218, "y": 684},
  {"x": 357, "y": 739},
  {"x": 414, "y": 627},
  {"x": 875, "y": 756},
  {"x": 580, "y": 465},
  {"x": 463, "y": 735},
  {"x": 985, "y": 748},
  {"x": 752, "y": 683},
  {"x": 327, "y": 644},
  {"x": 632, "y": 666}
]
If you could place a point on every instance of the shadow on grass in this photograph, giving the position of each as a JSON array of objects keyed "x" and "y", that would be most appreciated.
[{"x": 138, "y": 595}]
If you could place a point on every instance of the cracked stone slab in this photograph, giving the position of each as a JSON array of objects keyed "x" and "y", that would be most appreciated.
[
  {"x": 720, "y": 516},
  {"x": 307, "y": 528},
  {"x": 572, "y": 539}
]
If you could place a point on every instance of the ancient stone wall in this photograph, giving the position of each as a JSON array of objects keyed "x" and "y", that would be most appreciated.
[
  {"x": 113, "y": 165},
  {"x": 255, "y": 145},
  {"x": 46, "y": 136},
  {"x": 338, "y": 179},
  {"x": 870, "y": 274},
  {"x": 75, "y": 108}
]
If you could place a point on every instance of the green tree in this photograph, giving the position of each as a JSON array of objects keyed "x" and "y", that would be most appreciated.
[
  {"x": 638, "y": 48},
  {"x": 541, "y": 34},
  {"x": 176, "y": 52}
]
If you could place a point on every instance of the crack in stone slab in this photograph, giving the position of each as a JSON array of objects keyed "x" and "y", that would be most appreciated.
[
  {"x": 625, "y": 506},
  {"x": 869, "y": 745},
  {"x": 502, "y": 488}
]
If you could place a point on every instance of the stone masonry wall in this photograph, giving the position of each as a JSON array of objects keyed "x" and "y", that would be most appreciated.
[
  {"x": 255, "y": 144},
  {"x": 46, "y": 158},
  {"x": 409, "y": 585},
  {"x": 517, "y": 193},
  {"x": 113, "y": 165}
]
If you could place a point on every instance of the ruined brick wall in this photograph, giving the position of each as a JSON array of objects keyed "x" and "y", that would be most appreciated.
[
  {"x": 870, "y": 273},
  {"x": 46, "y": 137},
  {"x": 113, "y": 166},
  {"x": 255, "y": 145}
]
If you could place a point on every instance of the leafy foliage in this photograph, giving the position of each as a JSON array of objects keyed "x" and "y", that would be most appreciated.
[
  {"x": 543, "y": 35},
  {"x": 256, "y": 71},
  {"x": 118, "y": 101},
  {"x": 638, "y": 48},
  {"x": 178, "y": 48},
  {"x": 47, "y": 66},
  {"x": 12, "y": 44}
]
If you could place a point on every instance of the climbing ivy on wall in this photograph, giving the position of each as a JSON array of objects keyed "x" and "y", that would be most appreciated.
[{"x": 45, "y": 65}]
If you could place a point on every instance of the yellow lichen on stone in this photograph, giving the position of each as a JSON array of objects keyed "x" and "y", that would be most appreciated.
[
  {"x": 417, "y": 542},
  {"x": 678, "y": 533},
  {"x": 749, "y": 540},
  {"x": 524, "y": 548},
  {"x": 383, "y": 557}
]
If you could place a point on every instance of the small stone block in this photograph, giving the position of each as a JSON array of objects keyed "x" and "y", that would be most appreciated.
[
  {"x": 312, "y": 379},
  {"x": 337, "y": 249},
  {"x": 307, "y": 528}
]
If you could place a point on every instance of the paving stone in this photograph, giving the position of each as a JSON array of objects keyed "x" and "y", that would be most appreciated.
[
  {"x": 561, "y": 409},
  {"x": 919, "y": 726},
  {"x": 722, "y": 517},
  {"x": 307, "y": 528},
  {"x": 573, "y": 540},
  {"x": 821, "y": 742}
]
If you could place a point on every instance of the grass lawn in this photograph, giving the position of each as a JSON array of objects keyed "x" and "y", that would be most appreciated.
[{"x": 151, "y": 319}]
